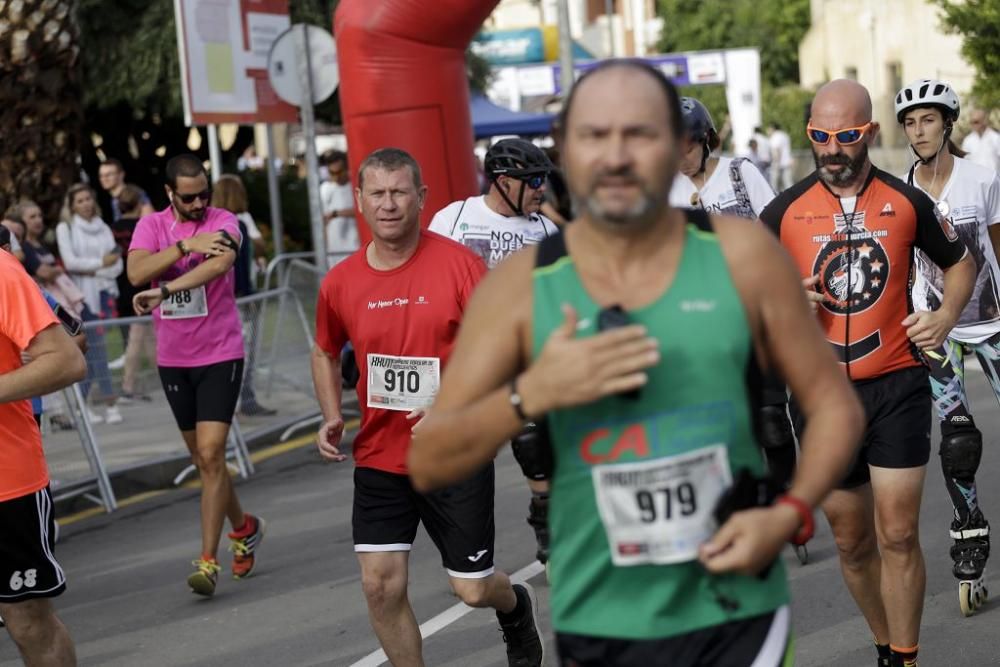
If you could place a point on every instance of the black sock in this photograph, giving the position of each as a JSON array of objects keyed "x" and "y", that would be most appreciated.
[
  {"x": 904, "y": 657},
  {"x": 884, "y": 653},
  {"x": 515, "y": 614}
]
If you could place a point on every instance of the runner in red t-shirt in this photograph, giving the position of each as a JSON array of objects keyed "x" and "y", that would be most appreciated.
[
  {"x": 30, "y": 573},
  {"x": 400, "y": 301}
]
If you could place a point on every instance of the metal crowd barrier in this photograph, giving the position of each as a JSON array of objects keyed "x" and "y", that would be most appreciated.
[{"x": 118, "y": 434}]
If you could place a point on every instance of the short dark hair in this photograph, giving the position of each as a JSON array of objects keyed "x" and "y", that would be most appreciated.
[
  {"x": 669, "y": 91},
  {"x": 333, "y": 156},
  {"x": 114, "y": 162},
  {"x": 187, "y": 165},
  {"x": 774, "y": 125},
  {"x": 390, "y": 159},
  {"x": 130, "y": 199}
]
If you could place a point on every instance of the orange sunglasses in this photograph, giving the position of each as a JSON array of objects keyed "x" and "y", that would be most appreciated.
[{"x": 845, "y": 137}]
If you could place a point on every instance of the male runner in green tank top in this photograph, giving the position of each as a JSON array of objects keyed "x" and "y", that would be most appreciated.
[{"x": 651, "y": 421}]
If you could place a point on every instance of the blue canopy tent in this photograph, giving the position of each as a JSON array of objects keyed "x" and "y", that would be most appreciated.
[{"x": 489, "y": 120}]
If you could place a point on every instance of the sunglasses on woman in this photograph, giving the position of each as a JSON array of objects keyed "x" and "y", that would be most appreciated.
[
  {"x": 845, "y": 137},
  {"x": 204, "y": 195}
]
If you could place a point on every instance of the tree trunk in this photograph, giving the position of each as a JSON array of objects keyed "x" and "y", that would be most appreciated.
[{"x": 41, "y": 111}]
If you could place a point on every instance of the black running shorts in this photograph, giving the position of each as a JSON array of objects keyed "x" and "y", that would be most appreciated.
[
  {"x": 761, "y": 640},
  {"x": 898, "y": 431},
  {"x": 203, "y": 393},
  {"x": 28, "y": 568},
  {"x": 458, "y": 519}
]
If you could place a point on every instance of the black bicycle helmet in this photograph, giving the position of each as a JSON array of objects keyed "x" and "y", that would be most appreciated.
[
  {"x": 519, "y": 159},
  {"x": 516, "y": 158},
  {"x": 699, "y": 126}
]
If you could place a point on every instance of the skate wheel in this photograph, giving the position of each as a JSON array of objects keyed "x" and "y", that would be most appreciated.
[
  {"x": 802, "y": 553},
  {"x": 965, "y": 598}
]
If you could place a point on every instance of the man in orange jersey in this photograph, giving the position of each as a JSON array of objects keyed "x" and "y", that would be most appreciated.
[
  {"x": 29, "y": 573},
  {"x": 852, "y": 230}
]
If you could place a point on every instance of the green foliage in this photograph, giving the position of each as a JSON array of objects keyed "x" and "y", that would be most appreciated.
[
  {"x": 479, "y": 72},
  {"x": 774, "y": 26},
  {"x": 977, "y": 22}
]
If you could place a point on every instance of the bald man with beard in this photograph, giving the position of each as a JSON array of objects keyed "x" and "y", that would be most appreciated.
[{"x": 852, "y": 229}]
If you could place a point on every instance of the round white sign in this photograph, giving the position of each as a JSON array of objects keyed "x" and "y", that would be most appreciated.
[{"x": 284, "y": 60}]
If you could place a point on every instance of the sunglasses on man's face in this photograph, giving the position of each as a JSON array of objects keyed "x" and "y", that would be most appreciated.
[
  {"x": 204, "y": 195},
  {"x": 535, "y": 182},
  {"x": 845, "y": 137}
]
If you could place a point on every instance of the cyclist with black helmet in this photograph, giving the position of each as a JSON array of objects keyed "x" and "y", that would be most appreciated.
[
  {"x": 968, "y": 195},
  {"x": 734, "y": 186},
  {"x": 494, "y": 225},
  {"x": 731, "y": 186}
]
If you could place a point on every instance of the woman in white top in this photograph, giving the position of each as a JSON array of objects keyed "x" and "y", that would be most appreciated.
[
  {"x": 730, "y": 186},
  {"x": 93, "y": 260},
  {"x": 968, "y": 201}
]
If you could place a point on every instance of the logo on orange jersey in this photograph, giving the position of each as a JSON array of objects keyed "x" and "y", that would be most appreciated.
[{"x": 853, "y": 266}]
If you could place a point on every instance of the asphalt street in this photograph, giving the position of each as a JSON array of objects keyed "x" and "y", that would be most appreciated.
[{"x": 128, "y": 604}]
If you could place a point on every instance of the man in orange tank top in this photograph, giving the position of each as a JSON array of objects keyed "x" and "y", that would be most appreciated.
[{"x": 852, "y": 230}]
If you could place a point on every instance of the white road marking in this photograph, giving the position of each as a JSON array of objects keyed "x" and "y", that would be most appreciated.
[{"x": 449, "y": 616}]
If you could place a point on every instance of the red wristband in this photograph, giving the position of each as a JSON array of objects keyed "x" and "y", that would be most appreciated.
[{"x": 805, "y": 532}]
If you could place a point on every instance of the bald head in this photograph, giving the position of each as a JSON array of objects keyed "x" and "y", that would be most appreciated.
[{"x": 841, "y": 103}]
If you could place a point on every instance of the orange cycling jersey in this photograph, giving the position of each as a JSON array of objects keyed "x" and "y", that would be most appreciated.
[{"x": 863, "y": 253}]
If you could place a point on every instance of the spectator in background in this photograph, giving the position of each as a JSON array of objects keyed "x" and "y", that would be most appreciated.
[
  {"x": 982, "y": 145},
  {"x": 141, "y": 342},
  {"x": 556, "y": 206},
  {"x": 230, "y": 194},
  {"x": 93, "y": 260},
  {"x": 14, "y": 226},
  {"x": 763, "y": 161},
  {"x": 782, "y": 162},
  {"x": 337, "y": 200},
  {"x": 112, "y": 176}
]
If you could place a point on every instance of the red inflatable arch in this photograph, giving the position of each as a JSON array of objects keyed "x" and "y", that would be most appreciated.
[{"x": 403, "y": 84}]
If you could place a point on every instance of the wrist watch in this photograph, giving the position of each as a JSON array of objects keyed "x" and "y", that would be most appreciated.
[
  {"x": 516, "y": 402},
  {"x": 183, "y": 248},
  {"x": 805, "y": 532},
  {"x": 164, "y": 291}
]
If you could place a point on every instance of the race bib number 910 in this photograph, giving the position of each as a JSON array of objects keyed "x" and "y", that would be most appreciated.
[
  {"x": 402, "y": 383},
  {"x": 661, "y": 511}
]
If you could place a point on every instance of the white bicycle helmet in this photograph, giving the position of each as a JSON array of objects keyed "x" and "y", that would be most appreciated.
[{"x": 926, "y": 93}]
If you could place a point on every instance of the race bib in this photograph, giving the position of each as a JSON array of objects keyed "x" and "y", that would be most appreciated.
[
  {"x": 660, "y": 512},
  {"x": 402, "y": 383},
  {"x": 185, "y": 304}
]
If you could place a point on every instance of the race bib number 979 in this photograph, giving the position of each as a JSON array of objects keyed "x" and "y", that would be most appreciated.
[
  {"x": 661, "y": 511},
  {"x": 402, "y": 383}
]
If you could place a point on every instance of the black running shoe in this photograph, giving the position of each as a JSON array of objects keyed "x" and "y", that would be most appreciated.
[{"x": 524, "y": 637}]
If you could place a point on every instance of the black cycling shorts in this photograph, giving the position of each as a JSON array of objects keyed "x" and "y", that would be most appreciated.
[
  {"x": 762, "y": 640},
  {"x": 458, "y": 518},
  {"x": 28, "y": 566},
  {"x": 203, "y": 393},
  {"x": 898, "y": 430}
]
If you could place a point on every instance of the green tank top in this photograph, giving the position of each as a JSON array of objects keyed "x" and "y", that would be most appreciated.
[{"x": 635, "y": 480}]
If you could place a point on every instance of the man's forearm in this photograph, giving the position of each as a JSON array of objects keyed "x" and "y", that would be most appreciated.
[
  {"x": 142, "y": 272},
  {"x": 204, "y": 273},
  {"x": 327, "y": 383},
  {"x": 42, "y": 375}
]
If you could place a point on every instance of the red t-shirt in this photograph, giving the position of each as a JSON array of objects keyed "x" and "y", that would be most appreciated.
[
  {"x": 397, "y": 320},
  {"x": 23, "y": 314}
]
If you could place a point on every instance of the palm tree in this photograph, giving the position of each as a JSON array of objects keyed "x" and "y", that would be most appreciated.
[{"x": 41, "y": 110}]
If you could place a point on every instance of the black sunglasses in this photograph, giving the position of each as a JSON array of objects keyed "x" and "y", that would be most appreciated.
[{"x": 204, "y": 195}]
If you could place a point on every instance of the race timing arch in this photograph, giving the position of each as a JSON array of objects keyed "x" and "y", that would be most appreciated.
[{"x": 403, "y": 83}]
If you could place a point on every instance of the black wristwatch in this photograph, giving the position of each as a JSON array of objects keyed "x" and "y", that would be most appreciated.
[
  {"x": 183, "y": 248},
  {"x": 164, "y": 292}
]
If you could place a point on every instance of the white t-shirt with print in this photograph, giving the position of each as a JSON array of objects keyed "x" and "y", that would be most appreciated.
[
  {"x": 487, "y": 233},
  {"x": 972, "y": 196},
  {"x": 719, "y": 193}
]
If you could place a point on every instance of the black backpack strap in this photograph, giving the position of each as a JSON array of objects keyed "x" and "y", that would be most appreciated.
[
  {"x": 700, "y": 219},
  {"x": 550, "y": 249},
  {"x": 457, "y": 218}
]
